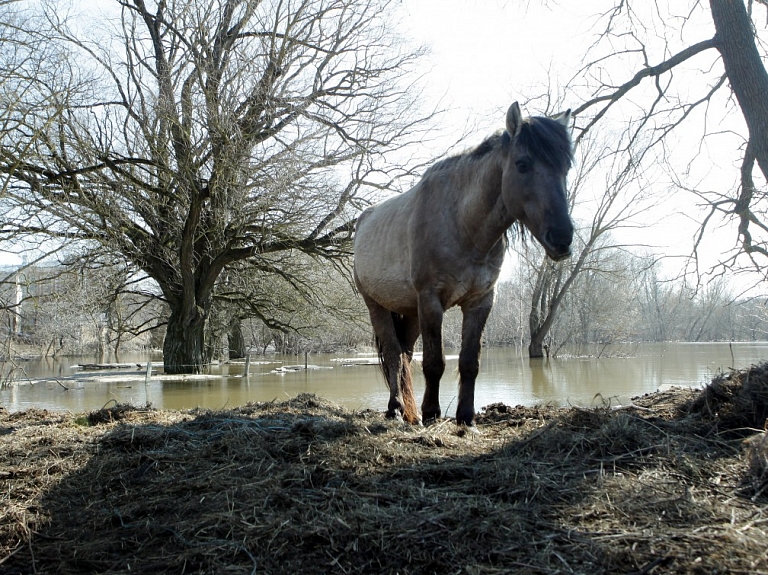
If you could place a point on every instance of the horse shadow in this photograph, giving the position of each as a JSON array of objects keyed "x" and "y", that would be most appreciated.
[{"x": 306, "y": 486}]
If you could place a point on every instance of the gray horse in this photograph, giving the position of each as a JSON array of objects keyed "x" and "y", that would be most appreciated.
[{"x": 442, "y": 243}]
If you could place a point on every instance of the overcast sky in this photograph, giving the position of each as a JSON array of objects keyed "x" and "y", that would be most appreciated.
[{"x": 486, "y": 54}]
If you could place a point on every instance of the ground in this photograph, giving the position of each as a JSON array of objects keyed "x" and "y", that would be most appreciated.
[{"x": 675, "y": 483}]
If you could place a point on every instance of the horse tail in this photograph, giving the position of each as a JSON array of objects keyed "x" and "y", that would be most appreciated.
[
  {"x": 410, "y": 409},
  {"x": 405, "y": 380}
]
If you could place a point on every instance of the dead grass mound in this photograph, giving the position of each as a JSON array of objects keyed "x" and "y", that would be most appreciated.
[
  {"x": 736, "y": 400},
  {"x": 305, "y": 486}
]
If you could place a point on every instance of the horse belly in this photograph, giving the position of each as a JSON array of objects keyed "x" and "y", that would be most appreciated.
[
  {"x": 382, "y": 263},
  {"x": 391, "y": 293}
]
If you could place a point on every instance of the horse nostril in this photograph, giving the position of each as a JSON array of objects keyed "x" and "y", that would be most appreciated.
[{"x": 559, "y": 238}]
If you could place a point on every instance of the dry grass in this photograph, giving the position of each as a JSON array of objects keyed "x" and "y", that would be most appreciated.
[{"x": 666, "y": 486}]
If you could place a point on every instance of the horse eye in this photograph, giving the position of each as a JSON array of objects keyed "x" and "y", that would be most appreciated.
[{"x": 523, "y": 165}]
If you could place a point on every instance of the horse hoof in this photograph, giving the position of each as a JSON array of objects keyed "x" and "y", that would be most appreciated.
[
  {"x": 468, "y": 430},
  {"x": 394, "y": 415},
  {"x": 431, "y": 416}
]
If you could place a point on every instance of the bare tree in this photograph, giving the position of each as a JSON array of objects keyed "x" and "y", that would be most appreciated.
[
  {"x": 679, "y": 82},
  {"x": 654, "y": 102},
  {"x": 659, "y": 302},
  {"x": 507, "y": 322},
  {"x": 203, "y": 134},
  {"x": 315, "y": 303}
]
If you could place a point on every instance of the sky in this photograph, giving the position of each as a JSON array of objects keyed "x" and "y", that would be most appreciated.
[{"x": 484, "y": 54}]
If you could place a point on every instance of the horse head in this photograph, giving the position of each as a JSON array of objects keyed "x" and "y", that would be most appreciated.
[{"x": 538, "y": 155}]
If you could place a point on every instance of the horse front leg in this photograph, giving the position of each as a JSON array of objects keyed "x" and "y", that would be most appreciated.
[
  {"x": 473, "y": 323},
  {"x": 431, "y": 325}
]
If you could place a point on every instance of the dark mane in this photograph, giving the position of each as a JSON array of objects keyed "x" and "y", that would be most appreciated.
[
  {"x": 544, "y": 138},
  {"x": 483, "y": 149},
  {"x": 547, "y": 140},
  {"x": 487, "y": 145}
]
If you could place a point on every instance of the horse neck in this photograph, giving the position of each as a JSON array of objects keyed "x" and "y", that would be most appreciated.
[{"x": 483, "y": 217}]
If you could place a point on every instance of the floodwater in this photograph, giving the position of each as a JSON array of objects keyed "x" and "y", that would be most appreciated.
[{"x": 505, "y": 376}]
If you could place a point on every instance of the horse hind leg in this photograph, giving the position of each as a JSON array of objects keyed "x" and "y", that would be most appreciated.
[
  {"x": 392, "y": 333},
  {"x": 397, "y": 372}
]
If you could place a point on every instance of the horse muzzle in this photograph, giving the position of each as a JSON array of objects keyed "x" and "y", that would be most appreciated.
[{"x": 557, "y": 243}]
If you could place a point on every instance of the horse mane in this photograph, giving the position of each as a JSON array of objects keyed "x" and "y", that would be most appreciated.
[
  {"x": 483, "y": 149},
  {"x": 545, "y": 139},
  {"x": 548, "y": 140}
]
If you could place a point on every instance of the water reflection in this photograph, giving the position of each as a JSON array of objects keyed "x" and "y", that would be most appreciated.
[{"x": 506, "y": 376}]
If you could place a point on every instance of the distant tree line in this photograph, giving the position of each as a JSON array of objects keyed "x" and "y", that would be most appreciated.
[
  {"x": 94, "y": 308},
  {"x": 626, "y": 299},
  {"x": 55, "y": 310},
  {"x": 97, "y": 309}
]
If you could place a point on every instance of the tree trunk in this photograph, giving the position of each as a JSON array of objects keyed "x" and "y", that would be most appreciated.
[
  {"x": 746, "y": 73},
  {"x": 547, "y": 294},
  {"x": 535, "y": 348},
  {"x": 236, "y": 340},
  {"x": 183, "y": 346}
]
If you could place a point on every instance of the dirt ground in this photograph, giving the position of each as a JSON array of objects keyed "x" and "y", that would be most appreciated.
[{"x": 675, "y": 483}]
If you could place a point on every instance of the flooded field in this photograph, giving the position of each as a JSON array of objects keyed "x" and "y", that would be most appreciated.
[{"x": 506, "y": 376}]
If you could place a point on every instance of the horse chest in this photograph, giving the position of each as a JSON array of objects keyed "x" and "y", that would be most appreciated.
[
  {"x": 474, "y": 284},
  {"x": 456, "y": 274}
]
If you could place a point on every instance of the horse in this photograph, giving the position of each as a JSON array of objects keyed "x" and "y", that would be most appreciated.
[{"x": 441, "y": 244}]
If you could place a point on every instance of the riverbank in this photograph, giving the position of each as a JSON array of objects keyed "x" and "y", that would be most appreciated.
[{"x": 677, "y": 482}]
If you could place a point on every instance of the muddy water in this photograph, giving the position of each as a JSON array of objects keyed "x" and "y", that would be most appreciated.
[{"x": 505, "y": 376}]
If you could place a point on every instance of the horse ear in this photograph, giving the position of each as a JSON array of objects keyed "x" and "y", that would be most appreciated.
[
  {"x": 514, "y": 120},
  {"x": 564, "y": 118}
]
